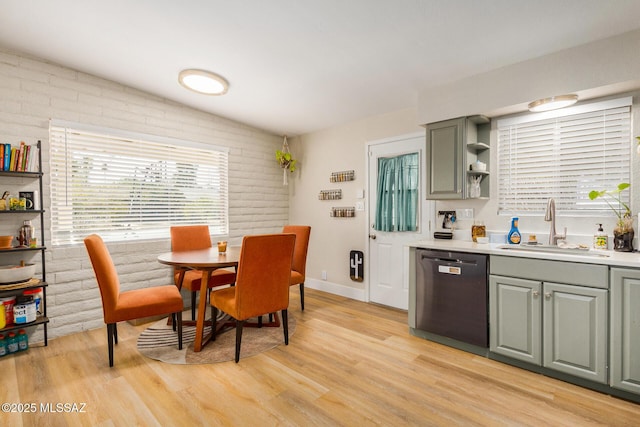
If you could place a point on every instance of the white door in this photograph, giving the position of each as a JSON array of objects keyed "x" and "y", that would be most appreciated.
[{"x": 387, "y": 284}]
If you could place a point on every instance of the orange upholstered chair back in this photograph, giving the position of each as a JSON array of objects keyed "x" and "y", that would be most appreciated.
[
  {"x": 105, "y": 272},
  {"x": 302, "y": 233},
  {"x": 264, "y": 269},
  {"x": 190, "y": 237}
]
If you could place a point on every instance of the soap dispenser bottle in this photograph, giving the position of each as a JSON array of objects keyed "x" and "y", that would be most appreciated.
[
  {"x": 600, "y": 240},
  {"x": 514, "y": 234}
]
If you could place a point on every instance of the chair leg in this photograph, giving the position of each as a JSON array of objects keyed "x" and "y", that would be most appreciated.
[
  {"x": 302, "y": 296},
  {"x": 178, "y": 320},
  {"x": 270, "y": 317},
  {"x": 173, "y": 321},
  {"x": 193, "y": 305},
  {"x": 239, "y": 325},
  {"x": 110, "y": 328},
  {"x": 259, "y": 321},
  {"x": 214, "y": 322},
  {"x": 285, "y": 325},
  {"x": 115, "y": 332}
]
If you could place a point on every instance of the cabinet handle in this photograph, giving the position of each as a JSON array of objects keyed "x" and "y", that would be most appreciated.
[
  {"x": 536, "y": 293},
  {"x": 547, "y": 295}
]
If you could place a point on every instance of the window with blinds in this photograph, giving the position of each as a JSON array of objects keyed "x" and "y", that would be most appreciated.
[
  {"x": 564, "y": 154},
  {"x": 127, "y": 186}
]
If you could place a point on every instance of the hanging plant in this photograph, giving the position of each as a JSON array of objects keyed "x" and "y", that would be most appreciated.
[{"x": 285, "y": 160}]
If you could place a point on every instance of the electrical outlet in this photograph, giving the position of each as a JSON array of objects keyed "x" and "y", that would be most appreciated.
[
  {"x": 464, "y": 213},
  {"x": 324, "y": 275}
]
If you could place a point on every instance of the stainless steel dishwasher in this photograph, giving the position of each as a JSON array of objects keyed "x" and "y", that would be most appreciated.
[{"x": 452, "y": 295}]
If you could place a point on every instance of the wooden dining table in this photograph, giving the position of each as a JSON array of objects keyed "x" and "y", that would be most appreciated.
[{"x": 207, "y": 261}]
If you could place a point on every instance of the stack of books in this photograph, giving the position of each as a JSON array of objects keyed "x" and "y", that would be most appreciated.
[{"x": 23, "y": 158}]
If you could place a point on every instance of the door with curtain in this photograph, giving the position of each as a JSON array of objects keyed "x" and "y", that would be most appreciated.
[{"x": 398, "y": 214}]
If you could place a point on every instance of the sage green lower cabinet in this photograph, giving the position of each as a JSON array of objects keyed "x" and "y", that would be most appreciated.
[
  {"x": 575, "y": 330},
  {"x": 625, "y": 329},
  {"x": 558, "y": 326},
  {"x": 515, "y": 318}
]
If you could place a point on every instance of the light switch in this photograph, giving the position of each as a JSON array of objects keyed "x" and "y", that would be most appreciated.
[
  {"x": 359, "y": 206},
  {"x": 360, "y": 194}
]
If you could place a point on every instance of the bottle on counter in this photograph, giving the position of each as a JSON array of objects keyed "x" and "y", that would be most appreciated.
[
  {"x": 514, "y": 236},
  {"x": 600, "y": 239}
]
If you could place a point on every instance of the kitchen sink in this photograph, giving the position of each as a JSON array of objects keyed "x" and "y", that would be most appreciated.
[{"x": 553, "y": 250}]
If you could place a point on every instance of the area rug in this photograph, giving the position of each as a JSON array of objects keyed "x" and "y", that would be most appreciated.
[{"x": 160, "y": 342}]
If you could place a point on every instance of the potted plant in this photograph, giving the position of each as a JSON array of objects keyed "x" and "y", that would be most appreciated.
[
  {"x": 285, "y": 160},
  {"x": 623, "y": 232}
]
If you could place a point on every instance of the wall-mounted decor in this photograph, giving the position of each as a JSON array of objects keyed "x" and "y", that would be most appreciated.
[
  {"x": 330, "y": 195},
  {"x": 342, "y": 176},
  {"x": 343, "y": 212}
]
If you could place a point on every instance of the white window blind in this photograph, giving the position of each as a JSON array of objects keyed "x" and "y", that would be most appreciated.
[
  {"x": 127, "y": 186},
  {"x": 564, "y": 154}
]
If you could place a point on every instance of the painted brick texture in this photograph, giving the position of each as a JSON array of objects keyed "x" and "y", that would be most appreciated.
[{"x": 32, "y": 91}]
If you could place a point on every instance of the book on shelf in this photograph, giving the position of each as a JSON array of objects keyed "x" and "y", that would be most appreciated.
[{"x": 23, "y": 158}]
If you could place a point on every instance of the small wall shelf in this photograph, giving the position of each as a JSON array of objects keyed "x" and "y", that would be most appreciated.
[
  {"x": 349, "y": 212},
  {"x": 342, "y": 176},
  {"x": 330, "y": 194}
]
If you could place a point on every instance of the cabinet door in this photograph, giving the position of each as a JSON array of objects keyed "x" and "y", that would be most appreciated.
[
  {"x": 445, "y": 159},
  {"x": 575, "y": 330},
  {"x": 515, "y": 318},
  {"x": 625, "y": 329}
]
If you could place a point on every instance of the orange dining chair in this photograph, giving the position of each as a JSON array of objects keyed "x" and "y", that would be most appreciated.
[
  {"x": 190, "y": 238},
  {"x": 262, "y": 283},
  {"x": 121, "y": 306},
  {"x": 299, "y": 265}
]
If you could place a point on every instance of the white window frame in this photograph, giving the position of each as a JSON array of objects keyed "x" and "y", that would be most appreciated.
[
  {"x": 545, "y": 165},
  {"x": 129, "y": 186}
]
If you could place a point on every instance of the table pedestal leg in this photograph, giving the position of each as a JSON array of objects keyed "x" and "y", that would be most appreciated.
[{"x": 200, "y": 339}]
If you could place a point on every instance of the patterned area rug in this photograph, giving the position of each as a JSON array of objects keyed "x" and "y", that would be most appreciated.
[{"x": 159, "y": 342}]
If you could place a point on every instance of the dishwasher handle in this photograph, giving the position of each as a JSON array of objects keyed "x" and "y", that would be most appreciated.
[{"x": 451, "y": 260}]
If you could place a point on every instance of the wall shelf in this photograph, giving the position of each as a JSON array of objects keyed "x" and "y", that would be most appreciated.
[
  {"x": 348, "y": 212},
  {"x": 342, "y": 176},
  {"x": 330, "y": 194}
]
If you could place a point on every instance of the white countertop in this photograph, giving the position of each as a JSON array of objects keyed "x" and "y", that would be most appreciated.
[{"x": 608, "y": 257}]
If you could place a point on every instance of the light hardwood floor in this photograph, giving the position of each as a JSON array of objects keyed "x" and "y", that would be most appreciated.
[{"x": 348, "y": 363}]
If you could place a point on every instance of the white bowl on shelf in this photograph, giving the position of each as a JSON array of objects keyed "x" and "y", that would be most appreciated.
[
  {"x": 479, "y": 167},
  {"x": 16, "y": 273}
]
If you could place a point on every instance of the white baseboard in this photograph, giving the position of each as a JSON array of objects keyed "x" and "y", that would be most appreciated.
[{"x": 336, "y": 289}]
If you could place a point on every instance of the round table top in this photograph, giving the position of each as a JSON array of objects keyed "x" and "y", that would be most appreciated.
[{"x": 203, "y": 258}]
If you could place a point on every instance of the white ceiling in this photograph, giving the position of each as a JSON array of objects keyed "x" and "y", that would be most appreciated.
[{"x": 297, "y": 66}]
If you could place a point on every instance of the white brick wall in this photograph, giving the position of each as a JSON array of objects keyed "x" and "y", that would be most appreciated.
[{"x": 32, "y": 91}]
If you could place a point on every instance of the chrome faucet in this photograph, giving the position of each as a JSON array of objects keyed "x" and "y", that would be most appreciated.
[{"x": 550, "y": 215}]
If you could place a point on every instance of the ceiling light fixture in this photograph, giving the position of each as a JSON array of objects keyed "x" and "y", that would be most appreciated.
[
  {"x": 553, "y": 103},
  {"x": 204, "y": 82}
]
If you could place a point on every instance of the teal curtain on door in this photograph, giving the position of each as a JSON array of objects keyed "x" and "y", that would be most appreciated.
[{"x": 397, "y": 193}]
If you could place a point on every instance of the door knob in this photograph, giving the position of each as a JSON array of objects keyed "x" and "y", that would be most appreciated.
[
  {"x": 536, "y": 293},
  {"x": 547, "y": 295},
  {"x": 372, "y": 236}
]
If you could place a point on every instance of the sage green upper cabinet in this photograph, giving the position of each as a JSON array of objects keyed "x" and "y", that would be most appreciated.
[
  {"x": 625, "y": 329},
  {"x": 445, "y": 175},
  {"x": 452, "y": 146}
]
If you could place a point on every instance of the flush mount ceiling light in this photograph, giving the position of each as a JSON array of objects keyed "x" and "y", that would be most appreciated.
[
  {"x": 553, "y": 103},
  {"x": 204, "y": 82}
]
